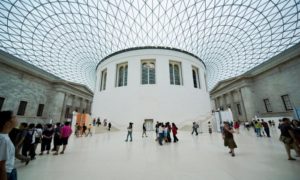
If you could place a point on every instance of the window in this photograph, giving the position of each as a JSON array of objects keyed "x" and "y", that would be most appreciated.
[
  {"x": 238, "y": 106},
  {"x": 175, "y": 73},
  {"x": 148, "y": 72},
  {"x": 40, "y": 110},
  {"x": 22, "y": 108},
  {"x": 287, "y": 102},
  {"x": 196, "y": 79},
  {"x": 103, "y": 80},
  {"x": 268, "y": 105},
  {"x": 122, "y": 71},
  {"x": 68, "y": 111},
  {"x": 1, "y": 102}
]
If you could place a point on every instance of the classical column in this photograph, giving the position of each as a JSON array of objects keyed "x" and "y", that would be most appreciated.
[
  {"x": 233, "y": 109},
  {"x": 81, "y": 105},
  {"x": 242, "y": 105}
]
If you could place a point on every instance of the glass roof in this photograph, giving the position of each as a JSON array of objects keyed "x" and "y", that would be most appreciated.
[{"x": 69, "y": 37}]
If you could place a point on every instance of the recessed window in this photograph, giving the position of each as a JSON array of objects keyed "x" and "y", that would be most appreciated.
[
  {"x": 103, "y": 80},
  {"x": 287, "y": 103},
  {"x": 148, "y": 72},
  {"x": 122, "y": 72},
  {"x": 196, "y": 80},
  {"x": 68, "y": 111},
  {"x": 175, "y": 73},
  {"x": 40, "y": 110},
  {"x": 1, "y": 102},
  {"x": 22, "y": 108},
  {"x": 238, "y": 106},
  {"x": 267, "y": 105}
]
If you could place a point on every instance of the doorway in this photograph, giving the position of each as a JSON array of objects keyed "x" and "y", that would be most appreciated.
[{"x": 149, "y": 124}]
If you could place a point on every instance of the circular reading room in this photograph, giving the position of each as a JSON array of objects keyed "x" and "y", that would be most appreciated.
[{"x": 149, "y": 84}]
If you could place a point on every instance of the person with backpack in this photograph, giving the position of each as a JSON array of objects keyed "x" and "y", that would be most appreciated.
[
  {"x": 17, "y": 136},
  {"x": 46, "y": 139},
  {"x": 57, "y": 138},
  {"x": 195, "y": 128},
  {"x": 28, "y": 144}
]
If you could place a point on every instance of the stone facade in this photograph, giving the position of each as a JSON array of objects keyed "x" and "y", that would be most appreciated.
[
  {"x": 260, "y": 91},
  {"x": 20, "y": 81}
]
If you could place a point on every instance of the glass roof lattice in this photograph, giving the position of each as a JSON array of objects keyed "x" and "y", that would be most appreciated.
[{"x": 69, "y": 37}]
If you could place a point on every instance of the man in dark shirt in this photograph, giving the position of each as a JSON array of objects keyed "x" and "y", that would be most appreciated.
[
  {"x": 288, "y": 138},
  {"x": 266, "y": 127}
]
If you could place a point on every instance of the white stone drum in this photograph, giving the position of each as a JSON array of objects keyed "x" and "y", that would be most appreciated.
[{"x": 150, "y": 84}]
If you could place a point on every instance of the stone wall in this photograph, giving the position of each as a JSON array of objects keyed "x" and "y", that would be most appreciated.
[
  {"x": 20, "y": 81},
  {"x": 274, "y": 78}
]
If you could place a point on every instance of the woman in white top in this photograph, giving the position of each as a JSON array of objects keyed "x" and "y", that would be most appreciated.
[
  {"x": 129, "y": 129},
  {"x": 7, "y": 149}
]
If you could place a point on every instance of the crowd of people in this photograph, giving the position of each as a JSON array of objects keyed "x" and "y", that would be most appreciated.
[{"x": 22, "y": 142}]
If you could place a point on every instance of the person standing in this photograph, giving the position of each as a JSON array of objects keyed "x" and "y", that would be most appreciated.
[
  {"x": 57, "y": 139},
  {"x": 98, "y": 122},
  {"x": 129, "y": 131},
  {"x": 83, "y": 130},
  {"x": 144, "y": 130},
  {"x": 160, "y": 133},
  {"x": 7, "y": 149},
  {"x": 174, "y": 132},
  {"x": 228, "y": 138},
  {"x": 109, "y": 126},
  {"x": 65, "y": 132},
  {"x": 46, "y": 139},
  {"x": 209, "y": 127}
]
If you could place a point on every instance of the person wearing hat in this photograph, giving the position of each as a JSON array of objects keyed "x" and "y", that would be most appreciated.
[{"x": 7, "y": 149}]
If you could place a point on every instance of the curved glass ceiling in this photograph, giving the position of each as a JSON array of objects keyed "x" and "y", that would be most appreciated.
[{"x": 69, "y": 37}]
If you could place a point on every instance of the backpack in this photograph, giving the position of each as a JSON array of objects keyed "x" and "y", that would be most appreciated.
[
  {"x": 29, "y": 137},
  {"x": 15, "y": 135}
]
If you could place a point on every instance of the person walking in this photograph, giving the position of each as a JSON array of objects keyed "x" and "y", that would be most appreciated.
[
  {"x": 228, "y": 138},
  {"x": 29, "y": 142},
  {"x": 174, "y": 132},
  {"x": 129, "y": 131},
  {"x": 7, "y": 149},
  {"x": 288, "y": 138},
  {"x": 144, "y": 130},
  {"x": 236, "y": 126},
  {"x": 89, "y": 130},
  {"x": 195, "y": 128},
  {"x": 266, "y": 127},
  {"x": 17, "y": 138},
  {"x": 109, "y": 126}
]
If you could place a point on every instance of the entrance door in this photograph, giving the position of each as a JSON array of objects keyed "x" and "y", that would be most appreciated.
[{"x": 149, "y": 124}]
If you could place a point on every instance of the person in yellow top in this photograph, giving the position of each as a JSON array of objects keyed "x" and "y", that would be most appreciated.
[{"x": 258, "y": 127}]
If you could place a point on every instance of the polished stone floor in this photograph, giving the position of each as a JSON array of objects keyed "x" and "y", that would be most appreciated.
[{"x": 108, "y": 157}]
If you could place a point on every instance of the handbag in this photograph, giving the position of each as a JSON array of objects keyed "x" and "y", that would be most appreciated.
[{"x": 286, "y": 140}]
